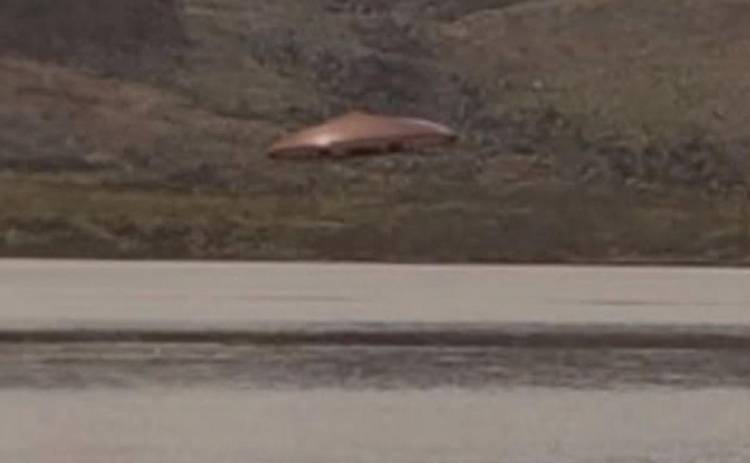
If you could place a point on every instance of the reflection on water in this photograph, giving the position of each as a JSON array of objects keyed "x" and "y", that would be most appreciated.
[
  {"x": 197, "y": 363},
  {"x": 350, "y": 403},
  {"x": 365, "y": 367}
]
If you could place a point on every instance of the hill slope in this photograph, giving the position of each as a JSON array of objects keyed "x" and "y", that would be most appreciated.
[{"x": 605, "y": 130}]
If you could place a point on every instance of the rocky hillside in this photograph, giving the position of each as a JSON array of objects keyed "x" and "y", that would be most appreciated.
[
  {"x": 591, "y": 130},
  {"x": 106, "y": 35}
]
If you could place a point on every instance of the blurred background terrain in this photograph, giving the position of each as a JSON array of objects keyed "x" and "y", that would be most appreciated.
[{"x": 591, "y": 130}]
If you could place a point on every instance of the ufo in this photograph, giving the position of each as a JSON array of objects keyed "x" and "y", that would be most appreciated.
[{"x": 359, "y": 133}]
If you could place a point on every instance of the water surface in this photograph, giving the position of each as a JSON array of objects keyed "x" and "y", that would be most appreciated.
[
  {"x": 217, "y": 294},
  {"x": 344, "y": 426},
  {"x": 194, "y": 363}
]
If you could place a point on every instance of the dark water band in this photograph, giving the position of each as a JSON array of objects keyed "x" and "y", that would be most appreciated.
[{"x": 509, "y": 336}]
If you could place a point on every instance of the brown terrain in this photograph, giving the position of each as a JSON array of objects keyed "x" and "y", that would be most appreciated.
[{"x": 591, "y": 130}]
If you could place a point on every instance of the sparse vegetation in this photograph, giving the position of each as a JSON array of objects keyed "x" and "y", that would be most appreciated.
[{"x": 592, "y": 130}]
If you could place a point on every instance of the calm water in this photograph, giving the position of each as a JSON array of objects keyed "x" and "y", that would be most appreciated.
[
  {"x": 44, "y": 293},
  {"x": 330, "y": 363},
  {"x": 344, "y": 426}
]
